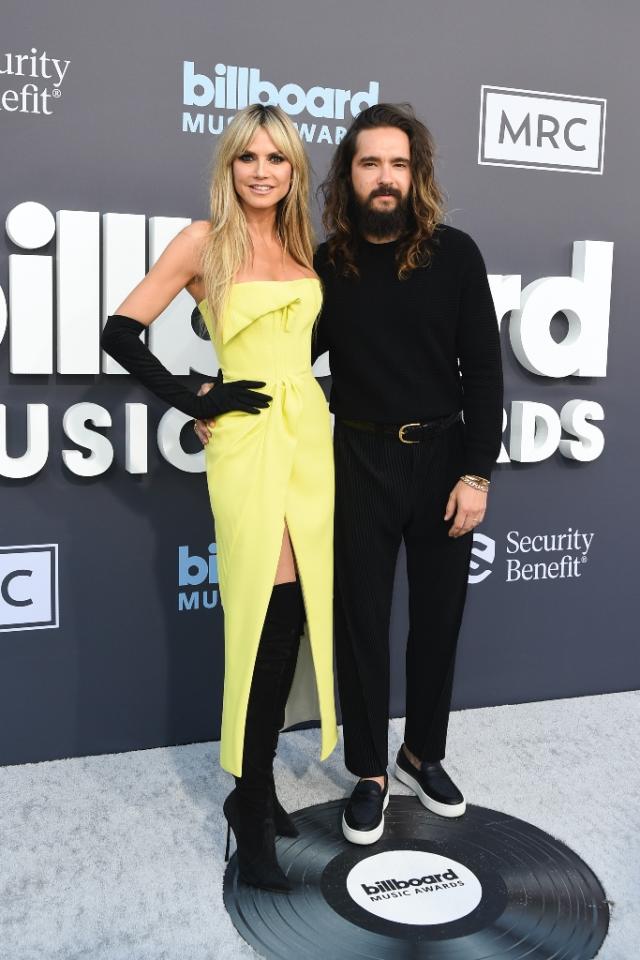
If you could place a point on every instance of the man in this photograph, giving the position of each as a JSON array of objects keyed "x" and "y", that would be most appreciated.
[
  {"x": 412, "y": 336},
  {"x": 411, "y": 331}
]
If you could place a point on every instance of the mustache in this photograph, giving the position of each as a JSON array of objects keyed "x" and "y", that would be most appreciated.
[{"x": 385, "y": 192}]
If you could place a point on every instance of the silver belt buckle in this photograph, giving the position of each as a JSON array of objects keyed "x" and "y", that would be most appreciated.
[{"x": 405, "y": 427}]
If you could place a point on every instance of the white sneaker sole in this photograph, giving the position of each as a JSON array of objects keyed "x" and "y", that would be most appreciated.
[
  {"x": 365, "y": 837},
  {"x": 442, "y": 809}
]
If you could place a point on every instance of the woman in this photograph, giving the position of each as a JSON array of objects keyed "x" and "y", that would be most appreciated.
[{"x": 269, "y": 465}]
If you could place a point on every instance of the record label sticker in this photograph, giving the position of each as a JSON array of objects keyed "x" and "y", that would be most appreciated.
[
  {"x": 485, "y": 885},
  {"x": 414, "y": 887}
]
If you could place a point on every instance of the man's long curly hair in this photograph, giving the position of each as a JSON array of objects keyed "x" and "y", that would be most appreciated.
[{"x": 425, "y": 197}]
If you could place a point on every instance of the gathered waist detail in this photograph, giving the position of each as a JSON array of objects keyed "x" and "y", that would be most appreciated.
[{"x": 268, "y": 377}]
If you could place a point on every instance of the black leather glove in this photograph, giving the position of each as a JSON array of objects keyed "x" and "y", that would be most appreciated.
[{"x": 120, "y": 339}]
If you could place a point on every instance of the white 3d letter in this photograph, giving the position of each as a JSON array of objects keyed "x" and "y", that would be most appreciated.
[
  {"x": 35, "y": 456},
  {"x": 100, "y": 450},
  {"x": 535, "y": 431},
  {"x": 584, "y": 299}
]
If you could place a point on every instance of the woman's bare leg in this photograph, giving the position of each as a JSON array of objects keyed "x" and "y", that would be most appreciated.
[{"x": 286, "y": 571}]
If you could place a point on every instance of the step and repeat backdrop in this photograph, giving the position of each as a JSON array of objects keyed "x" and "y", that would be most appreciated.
[{"x": 111, "y": 630}]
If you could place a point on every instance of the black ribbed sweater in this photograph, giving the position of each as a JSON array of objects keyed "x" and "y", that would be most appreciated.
[{"x": 414, "y": 349}]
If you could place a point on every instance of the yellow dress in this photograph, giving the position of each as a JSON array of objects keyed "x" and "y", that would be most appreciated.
[{"x": 264, "y": 470}]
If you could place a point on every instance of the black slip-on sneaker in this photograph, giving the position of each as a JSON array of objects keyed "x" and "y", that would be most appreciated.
[
  {"x": 363, "y": 817},
  {"x": 432, "y": 785}
]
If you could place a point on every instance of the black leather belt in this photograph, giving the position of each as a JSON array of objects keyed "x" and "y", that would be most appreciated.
[{"x": 406, "y": 432}]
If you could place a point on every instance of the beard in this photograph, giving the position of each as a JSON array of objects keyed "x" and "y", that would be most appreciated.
[{"x": 382, "y": 224}]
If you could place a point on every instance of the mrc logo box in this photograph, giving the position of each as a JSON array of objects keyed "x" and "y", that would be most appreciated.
[
  {"x": 544, "y": 131},
  {"x": 29, "y": 587}
]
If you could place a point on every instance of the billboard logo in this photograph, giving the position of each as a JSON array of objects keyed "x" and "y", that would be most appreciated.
[
  {"x": 232, "y": 88},
  {"x": 196, "y": 579},
  {"x": 544, "y": 131},
  {"x": 54, "y": 304},
  {"x": 414, "y": 887},
  {"x": 33, "y": 94},
  {"x": 29, "y": 587}
]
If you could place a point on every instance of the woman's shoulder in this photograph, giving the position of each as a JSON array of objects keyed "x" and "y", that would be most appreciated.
[
  {"x": 197, "y": 231},
  {"x": 190, "y": 242}
]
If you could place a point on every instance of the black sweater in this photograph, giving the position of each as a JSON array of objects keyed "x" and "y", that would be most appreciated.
[{"x": 408, "y": 350}]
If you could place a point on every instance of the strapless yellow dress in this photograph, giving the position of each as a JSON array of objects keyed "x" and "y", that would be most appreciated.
[{"x": 265, "y": 470}]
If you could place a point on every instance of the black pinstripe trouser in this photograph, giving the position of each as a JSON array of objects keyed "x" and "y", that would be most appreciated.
[{"x": 386, "y": 491}]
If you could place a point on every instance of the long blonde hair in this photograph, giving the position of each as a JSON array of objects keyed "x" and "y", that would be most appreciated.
[{"x": 228, "y": 245}]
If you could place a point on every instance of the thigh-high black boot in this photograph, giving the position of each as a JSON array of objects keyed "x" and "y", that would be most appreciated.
[
  {"x": 293, "y": 615},
  {"x": 250, "y": 807}
]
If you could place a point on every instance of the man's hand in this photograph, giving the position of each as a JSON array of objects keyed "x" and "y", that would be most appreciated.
[
  {"x": 469, "y": 507},
  {"x": 202, "y": 427}
]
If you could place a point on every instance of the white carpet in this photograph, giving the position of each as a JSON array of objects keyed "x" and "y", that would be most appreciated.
[{"x": 120, "y": 857}]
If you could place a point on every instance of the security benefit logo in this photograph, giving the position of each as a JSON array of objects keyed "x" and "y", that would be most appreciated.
[
  {"x": 30, "y": 81},
  {"x": 226, "y": 88},
  {"x": 197, "y": 579},
  {"x": 560, "y": 555},
  {"x": 547, "y": 556},
  {"x": 547, "y": 131},
  {"x": 414, "y": 887},
  {"x": 483, "y": 553},
  {"x": 29, "y": 587}
]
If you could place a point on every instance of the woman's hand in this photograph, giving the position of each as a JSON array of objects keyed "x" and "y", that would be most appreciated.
[
  {"x": 469, "y": 507},
  {"x": 202, "y": 427}
]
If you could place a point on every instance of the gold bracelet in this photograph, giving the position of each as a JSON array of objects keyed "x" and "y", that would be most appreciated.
[
  {"x": 478, "y": 483},
  {"x": 474, "y": 476}
]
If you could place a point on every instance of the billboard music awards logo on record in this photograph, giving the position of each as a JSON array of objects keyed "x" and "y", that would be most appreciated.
[
  {"x": 35, "y": 79},
  {"x": 414, "y": 887},
  {"x": 230, "y": 88},
  {"x": 197, "y": 577},
  {"x": 29, "y": 587},
  {"x": 545, "y": 131}
]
